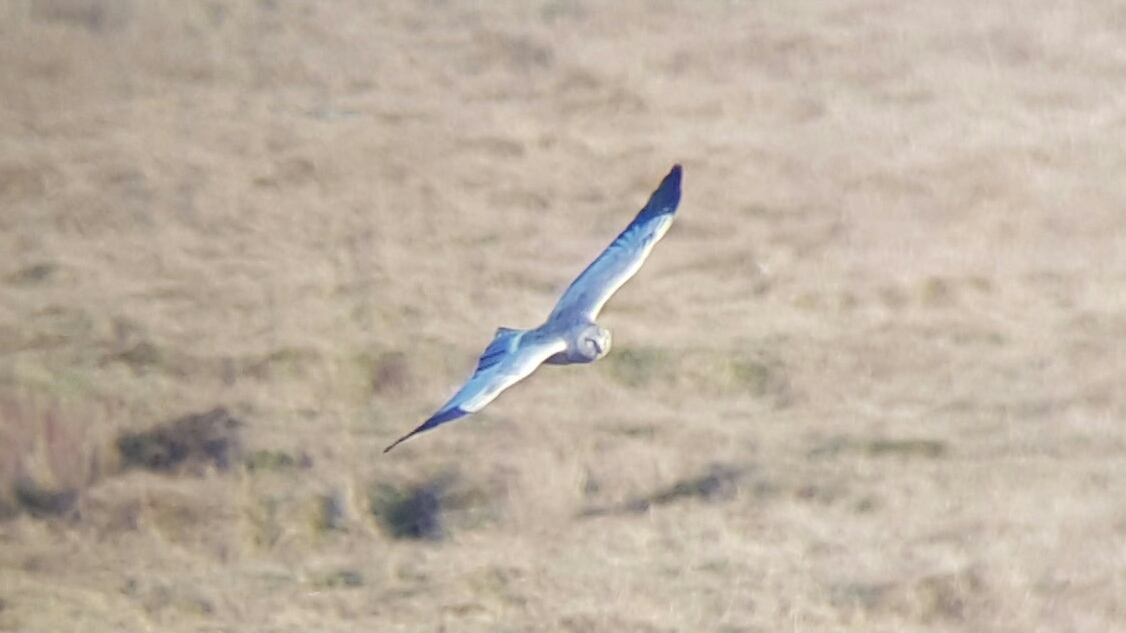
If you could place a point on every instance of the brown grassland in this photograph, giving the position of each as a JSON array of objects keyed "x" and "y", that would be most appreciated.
[{"x": 872, "y": 379}]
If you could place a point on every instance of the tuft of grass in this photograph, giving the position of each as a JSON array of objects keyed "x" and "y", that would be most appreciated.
[
  {"x": 265, "y": 522},
  {"x": 50, "y": 452}
]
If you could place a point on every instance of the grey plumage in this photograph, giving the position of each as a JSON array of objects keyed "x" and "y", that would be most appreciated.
[{"x": 570, "y": 334}]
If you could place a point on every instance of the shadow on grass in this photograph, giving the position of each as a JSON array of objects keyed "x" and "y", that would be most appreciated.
[
  {"x": 880, "y": 447},
  {"x": 430, "y": 510},
  {"x": 187, "y": 443},
  {"x": 53, "y": 449},
  {"x": 718, "y": 483}
]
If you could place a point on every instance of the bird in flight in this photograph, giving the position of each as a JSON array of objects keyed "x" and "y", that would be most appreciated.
[{"x": 570, "y": 334}]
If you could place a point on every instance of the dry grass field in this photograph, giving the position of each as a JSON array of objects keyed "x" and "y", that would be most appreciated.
[{"x": 872, "y": 380}]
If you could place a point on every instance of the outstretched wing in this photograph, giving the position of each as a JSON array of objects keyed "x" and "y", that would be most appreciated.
[
  {"x": 506, "y": 361},
  {"x": 625, "y": 255}
]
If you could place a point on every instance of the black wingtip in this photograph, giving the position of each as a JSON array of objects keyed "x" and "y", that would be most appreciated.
[
  {"x": 671, "y": 182},
  {"x": 667, "y": 195},
  {"x": 439, "y": 418},
  {"x": 399, "y": 441}
]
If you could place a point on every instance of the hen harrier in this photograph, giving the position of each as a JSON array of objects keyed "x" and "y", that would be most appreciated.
[{"x": 570, "y": 334}]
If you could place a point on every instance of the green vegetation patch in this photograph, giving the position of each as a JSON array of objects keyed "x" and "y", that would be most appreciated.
[
  {"x": 907, "y": 448},
  {"x": 640, "y": 367},
  {"x": 267, "y": 461},
  {"x": 759, "y": 377},
  {"x": 343, "y": 578}
]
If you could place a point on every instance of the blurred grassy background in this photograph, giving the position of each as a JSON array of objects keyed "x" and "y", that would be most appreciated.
[{"x": 871, "y": 380}]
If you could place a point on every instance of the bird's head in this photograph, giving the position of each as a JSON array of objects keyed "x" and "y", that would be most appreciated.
[{"x": 595, "y": 341}]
